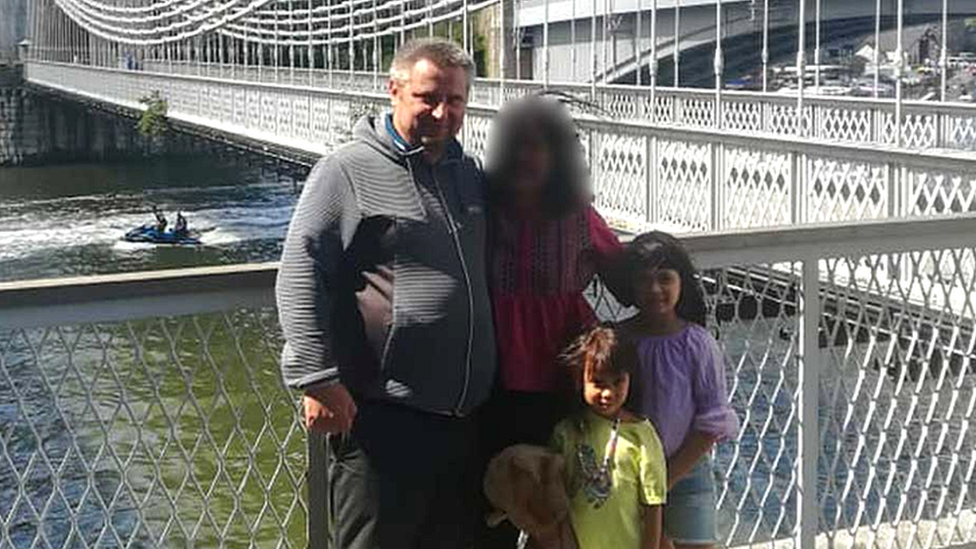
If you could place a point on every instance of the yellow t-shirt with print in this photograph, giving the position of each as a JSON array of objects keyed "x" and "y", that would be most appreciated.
[{"x": 614, "y": 519}]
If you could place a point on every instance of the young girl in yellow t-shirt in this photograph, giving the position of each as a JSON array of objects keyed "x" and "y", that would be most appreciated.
[{"x": 616, "y": 475}]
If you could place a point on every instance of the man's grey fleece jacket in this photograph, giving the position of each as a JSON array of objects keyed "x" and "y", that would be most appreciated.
[{"x": 383, "y": 284}]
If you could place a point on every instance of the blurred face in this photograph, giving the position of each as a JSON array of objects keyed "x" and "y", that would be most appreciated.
[
  {"x": 606, "y": 393},
  {"x": 658, "y": 292},
  {"x": 533, "y": 163},
  {"x": 428, "y": 107}
]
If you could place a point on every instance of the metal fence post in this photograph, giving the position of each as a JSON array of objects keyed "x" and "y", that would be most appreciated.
[
  {"x": 594, "y": 158},
  {"x": 808, "y": 434},
  {"x": 652, "y": 212},
  {"x": 316, "y": 479},
  {"x": 716, "y": 218},
  {"x": 900, "y": 205},
  {"x": 896, "y": 190},
  {"x": 796, "y": 189}
]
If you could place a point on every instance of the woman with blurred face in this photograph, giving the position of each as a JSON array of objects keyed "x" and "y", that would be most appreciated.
[{"x": 546, "y": 245}]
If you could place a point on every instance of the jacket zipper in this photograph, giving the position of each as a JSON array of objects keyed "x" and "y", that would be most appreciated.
[{"x": 467, "y": 283}]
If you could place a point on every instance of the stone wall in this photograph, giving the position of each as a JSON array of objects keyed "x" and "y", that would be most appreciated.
[
  {"x": 42, "y": 129},
  {"x": 21, "y": 135}
]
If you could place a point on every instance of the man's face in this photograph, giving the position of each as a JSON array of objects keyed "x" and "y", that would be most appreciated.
[{"x": 428, "y": 107}]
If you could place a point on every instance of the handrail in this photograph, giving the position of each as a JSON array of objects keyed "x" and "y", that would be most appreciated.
[
  {"x": 194, "y": 290},
  {"x": 826, "y": 240},
  {"x": 114, "y": 297}
]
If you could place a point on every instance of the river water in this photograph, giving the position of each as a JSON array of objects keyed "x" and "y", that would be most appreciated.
[
  {"x": 150, "y": 416},
  {"x": 69, "y": 220}
]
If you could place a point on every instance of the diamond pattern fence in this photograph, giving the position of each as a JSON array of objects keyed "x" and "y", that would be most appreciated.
[
  {"x": 175, "y": 430},
  {"x": 835, "y": 119},
  {"x": 841, "y": 189},
  {"x": 898, "y": 399},
  {"x": 163, "y": 432},
  {"x": 758, "y": 189},
  {"x": 935, "y": 191}
]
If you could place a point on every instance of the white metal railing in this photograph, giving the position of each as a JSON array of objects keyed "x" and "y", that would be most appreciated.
[
  {"x": 147, "y": 408},
  {"x": 682, "y": 178},
  {"x": 864, "y": 120}
]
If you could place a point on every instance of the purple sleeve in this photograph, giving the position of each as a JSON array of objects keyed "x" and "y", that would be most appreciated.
[{"x": 713, "y": 414}]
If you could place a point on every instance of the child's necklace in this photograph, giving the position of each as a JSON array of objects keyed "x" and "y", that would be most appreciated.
[{"x": 598, "y": 482}]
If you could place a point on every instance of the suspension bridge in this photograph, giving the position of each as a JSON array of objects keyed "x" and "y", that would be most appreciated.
[{"x": 836, "y": 234}]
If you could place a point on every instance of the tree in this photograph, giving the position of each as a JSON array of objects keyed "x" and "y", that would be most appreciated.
[{"x": 153, "y": 121}]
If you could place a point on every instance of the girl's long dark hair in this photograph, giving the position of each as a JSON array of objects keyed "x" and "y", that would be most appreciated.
[
  {"x": 660, "y": 250},
  {"x": 568, "y": 186}
]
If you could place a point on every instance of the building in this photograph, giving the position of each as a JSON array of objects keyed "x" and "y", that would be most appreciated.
[{"x": 13, "y": 28}]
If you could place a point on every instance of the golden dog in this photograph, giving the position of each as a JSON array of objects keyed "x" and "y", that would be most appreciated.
[{"x": 527, "y": 485}]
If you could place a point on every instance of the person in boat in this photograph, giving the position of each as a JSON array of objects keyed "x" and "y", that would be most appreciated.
[
  {"x": 160, "y": 220},
  {"x": 181, "y": 227}
]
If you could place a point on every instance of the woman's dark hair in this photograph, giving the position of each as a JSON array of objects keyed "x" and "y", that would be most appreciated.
[
  {"x": 660, "y": 250},
  {"x": 569, "y": 180}
]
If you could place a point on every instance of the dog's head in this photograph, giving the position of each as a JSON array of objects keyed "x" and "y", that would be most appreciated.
[{"x": 526, "y": 484}]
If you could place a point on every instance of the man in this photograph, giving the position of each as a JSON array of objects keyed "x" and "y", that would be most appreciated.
[
  {"x": 384, "y": 306},
  {"x": 181, "y": 228},
  {"x": 160, "y": 220}
]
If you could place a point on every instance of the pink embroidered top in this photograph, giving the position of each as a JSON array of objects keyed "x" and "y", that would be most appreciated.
[{"x": 539, "y": 270}]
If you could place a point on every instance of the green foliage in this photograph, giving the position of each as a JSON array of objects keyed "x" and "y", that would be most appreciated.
[{"x": 153, "y": 121}]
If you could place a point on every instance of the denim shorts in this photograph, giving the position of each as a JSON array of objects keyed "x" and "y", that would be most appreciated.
[{"x": 689, "y": 516}]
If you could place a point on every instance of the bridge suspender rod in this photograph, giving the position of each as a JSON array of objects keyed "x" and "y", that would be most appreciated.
[
  {"x": 765, "y": 48},
  {"x": 816, "y": 52},
  {"x": 676, "y": 43},
  {"x": 352, "y": 41},
  {"x": 638, "y": 49},
  {"x": 572, "y": 41},
  {"x": 545, "y": 45},
  {"x": 328, "y": 56},
  {"x": 291, "y": 47},
  {"x": 652, "y": 65},
  {"x": 593, "y": 57},
  {"x": 467, "y": 30},
  {"x": 274, "y": 56},
  {"x": 944, "y": 56},
  {"x": 801, "y": 70},
  {"x": 718, "y": 64},
  {"x": 310, "y": 59},
  {"x": 604, "y": 70},
  {"x": 899, "y": 72},
  {"x": 501, "y": 50},
  {"x": 377, "y": 54},
  {"x": 517, "y": 38},
  {"x": 877, "y": 49}
]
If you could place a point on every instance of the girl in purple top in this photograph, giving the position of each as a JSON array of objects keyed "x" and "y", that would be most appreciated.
[{"x": 680, "y": 383}]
